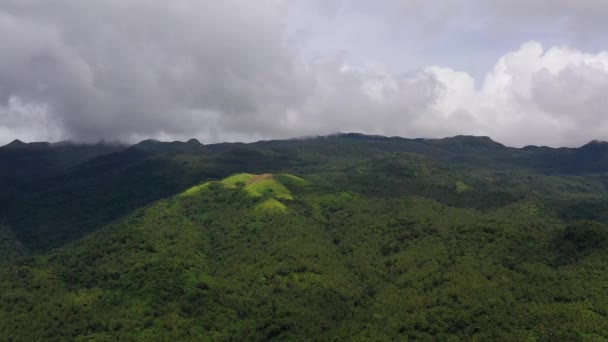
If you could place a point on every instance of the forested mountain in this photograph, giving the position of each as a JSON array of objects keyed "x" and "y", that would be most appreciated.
[
  {"x": 341, "y": 237},
  {"x": 23, "y": 161}
]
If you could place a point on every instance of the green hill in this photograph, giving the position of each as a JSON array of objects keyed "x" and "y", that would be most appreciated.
[{"x": 348, "y": 237}]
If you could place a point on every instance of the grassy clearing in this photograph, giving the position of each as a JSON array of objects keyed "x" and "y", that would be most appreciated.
[
  {"x": 256, "y": 185},
  {"x": 233, "y": 180},
  {"x": 271, "y": 204},
  {"x": 269, "y": 187},
  {"x": 230, "y": 182},
  {"x": 196, "y": 189}
]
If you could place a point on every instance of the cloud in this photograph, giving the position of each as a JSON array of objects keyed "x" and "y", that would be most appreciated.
[
  {"x": 584, "y": 19},
  {"x": 118, "y": 68},
  {"x": 549, "y": 97},
  {"x": 532, "y": 96},
  {"x": 231, "y": 70}
]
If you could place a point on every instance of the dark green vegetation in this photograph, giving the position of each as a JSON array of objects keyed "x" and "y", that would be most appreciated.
[{"x": 347, "y": 237}]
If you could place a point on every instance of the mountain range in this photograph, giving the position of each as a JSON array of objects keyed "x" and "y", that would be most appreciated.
[{"x": 339, "y": 237}]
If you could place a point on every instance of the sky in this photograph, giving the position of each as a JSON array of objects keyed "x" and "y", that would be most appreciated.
[{"x": 524, "y": 72}]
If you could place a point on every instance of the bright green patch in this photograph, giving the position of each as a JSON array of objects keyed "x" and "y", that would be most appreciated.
[
  {"x": 233, "y": 180},
  {"x": 268, "y": 187},
  {"x": 271, "y": 204},
  {"x": 196, "y": 189},
  {"x": 462, "y": 187},
  {"x": 286, "y": 178},
  {"x": 258, "y": 186},
  {"x": 230, "y": 182}
]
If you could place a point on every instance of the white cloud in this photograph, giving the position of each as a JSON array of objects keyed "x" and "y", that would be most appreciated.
[
  {"x": 552, "y": 97},
  {"x": 532, "y": 96},
  {"x": 27, "y": 121},
  {"x": 229, "y": 70}
]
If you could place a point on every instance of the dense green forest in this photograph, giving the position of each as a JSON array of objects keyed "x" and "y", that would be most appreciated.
[{"x": 342, "y": 237}]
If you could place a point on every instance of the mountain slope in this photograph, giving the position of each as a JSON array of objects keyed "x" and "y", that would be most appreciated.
[
  {"x": 344, "y": 237},
  {"x": 23, "y": 162},
  {"x": 49, "y": 211},
  {"x": 208, "y": 265}
]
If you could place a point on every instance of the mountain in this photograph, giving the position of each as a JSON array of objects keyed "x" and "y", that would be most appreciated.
[
  {"x": 27, "y": 161},
  {"x": 341, "y": 237}
]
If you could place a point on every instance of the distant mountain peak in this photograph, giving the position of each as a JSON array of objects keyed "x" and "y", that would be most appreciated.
[
  {"x": 471, "y": 141},
  {"x": 152, "y": 145},
  {"x": 150, "y": 141},
  {"x": 473, "y": 137},
  {"x": 595, "y": 146},
  {"x": 355, "y": 136},
  {"x": 596, "y": 143},
  {"x": 18, "y": 144},
  {"x": 15, "y": 143}
]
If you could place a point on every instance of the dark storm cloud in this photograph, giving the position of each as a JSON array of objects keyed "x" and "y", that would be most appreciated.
[
  {"x": 239, "y": 70},
  {"x": 115, "y": 68}
]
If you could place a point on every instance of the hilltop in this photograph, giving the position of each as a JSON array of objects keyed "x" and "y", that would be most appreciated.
[
  {"x": 269, "y": 189},
  {"x": 344, "y": 237}
]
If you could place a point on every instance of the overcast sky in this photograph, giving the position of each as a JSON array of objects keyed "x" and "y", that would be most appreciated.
[{"x": 520, "y": 71}]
